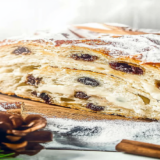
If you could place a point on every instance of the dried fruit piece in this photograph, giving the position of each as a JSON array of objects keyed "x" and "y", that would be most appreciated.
[
  {"x": 94, "y": 107},
  {"x": 84, "y": 57},
  {"x": 31, "y": 80},
  {"x": 45, "y": 97},
  {"x": 34, "y": 93},
  {"x": 88, "y": 81},
  {"x": 21, "y": 50},
  {"x": 81, "y": 95},
  {"x": 124, "y": 67}
]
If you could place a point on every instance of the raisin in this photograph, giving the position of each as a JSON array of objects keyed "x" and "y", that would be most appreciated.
[
  {"x": 31, "y": 80},
  {"x": 124, "y": 67},
  {"x": 21, "y": 50},
  {"x": 34, "y": 93},
  {"x": 84, "y": 57},
  {"x": 88, "y": 81},
  {"x": 45, "y": 97},
  {"x": 81, "y": 95},
  {"x": 94, "y": 107}
]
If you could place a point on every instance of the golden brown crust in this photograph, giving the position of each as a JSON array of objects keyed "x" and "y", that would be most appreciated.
[
  {"x": 127, "y": 59},
  {"x": 76, "y": 45}
]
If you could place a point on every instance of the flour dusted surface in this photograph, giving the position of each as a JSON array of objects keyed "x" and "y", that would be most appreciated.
[{"x": 99, "y": 135}]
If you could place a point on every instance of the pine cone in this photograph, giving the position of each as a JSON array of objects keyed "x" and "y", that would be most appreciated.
[{"x": 22, "y": 134}]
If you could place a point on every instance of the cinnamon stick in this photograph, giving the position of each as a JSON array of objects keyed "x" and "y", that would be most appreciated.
[
  {"x": 139, "y": 148},
  {"x": 142, "y": 144}
]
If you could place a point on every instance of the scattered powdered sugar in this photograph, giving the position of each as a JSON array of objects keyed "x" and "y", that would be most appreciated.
[
  {"x": 4, "y": 106},
  {"x": 100, "y": 134},
  {"x": 2, "y": 109},
  {"x": 145, "y": 48}
]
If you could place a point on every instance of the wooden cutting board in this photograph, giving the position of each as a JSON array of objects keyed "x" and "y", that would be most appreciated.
[{"x": 32, "y": 107}]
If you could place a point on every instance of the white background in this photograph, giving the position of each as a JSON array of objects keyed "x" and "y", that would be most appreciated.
[{"x": 23, "y": 16}]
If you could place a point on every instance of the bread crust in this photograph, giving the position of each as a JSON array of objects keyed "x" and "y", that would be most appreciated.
[
  {"x": 59, "y": 53},
  {"x": 97, "y": 46}
]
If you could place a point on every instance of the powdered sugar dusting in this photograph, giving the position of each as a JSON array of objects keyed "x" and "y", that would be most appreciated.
[
  {"x": 99, "y": 135},
  {"x": 2, "y": 109},
  {"x": 145, "y": 48},
  {"x": 4, "y": 106}
]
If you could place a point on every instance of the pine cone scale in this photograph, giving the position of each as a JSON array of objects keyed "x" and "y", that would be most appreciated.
[
  {"x": 16, "y": 146},
  {"x": 13, "y": 138}
]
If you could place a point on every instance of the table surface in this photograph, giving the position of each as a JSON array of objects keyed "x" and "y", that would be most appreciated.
[
  {"x": 81, "y": 155},
  {"x": 76, "y": 130}
]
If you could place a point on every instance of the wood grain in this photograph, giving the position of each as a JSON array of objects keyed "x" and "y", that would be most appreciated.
[{"x": 32, "y": 107}]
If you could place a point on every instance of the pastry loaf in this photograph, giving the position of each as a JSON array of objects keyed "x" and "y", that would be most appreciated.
[
  {"x": 110, "y": 75},
  {"x": 79, "y": 89}
]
